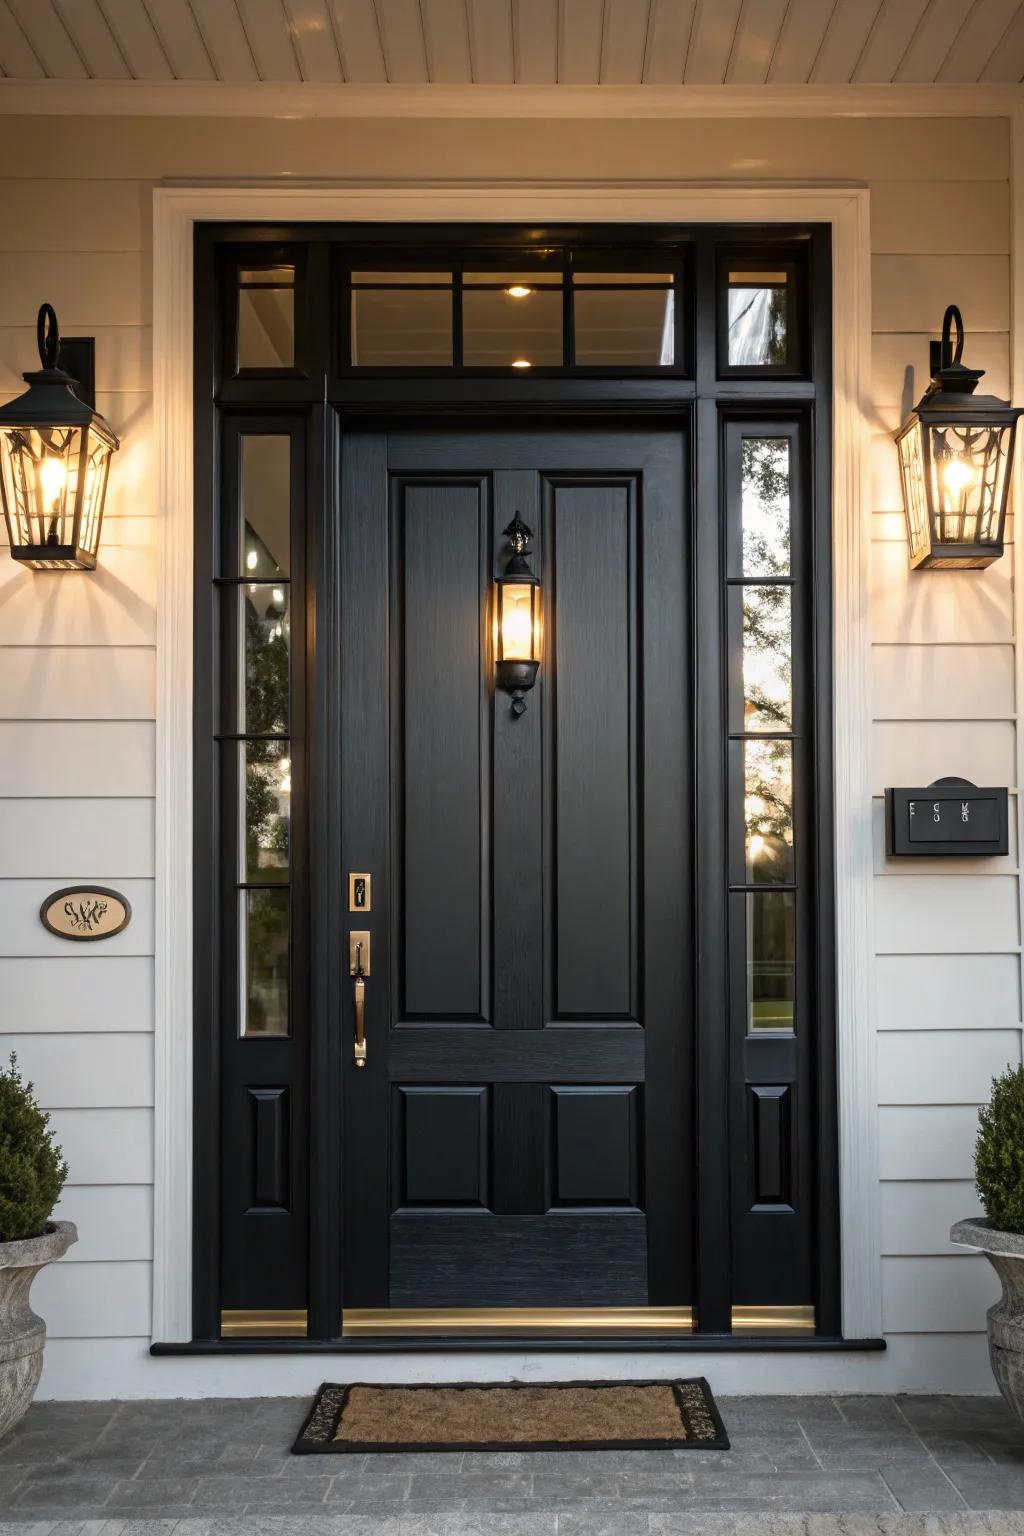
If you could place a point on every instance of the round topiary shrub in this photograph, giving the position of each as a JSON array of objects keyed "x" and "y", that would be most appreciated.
[
  {"x": 32, "y": 1169},
  {"x": 999, "y": 1152}
]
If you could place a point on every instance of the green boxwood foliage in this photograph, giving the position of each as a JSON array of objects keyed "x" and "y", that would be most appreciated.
[
  {"x": 32, "y": 1169},
  {"x": 999, "y": 1152}
]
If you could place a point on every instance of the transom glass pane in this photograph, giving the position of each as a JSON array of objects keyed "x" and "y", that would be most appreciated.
[
  {"x": 515, "y": 326},
  {"x": 266, "y": 505},
  {"x": 768, "y": 811},
  {"x": 758, "y": 316},
  {"x": 395, "y": 327},
  {"x": 767, "y": 659},
  {"x": 266, "y": 627},
  {"x": 625, "y": 327},
  {"x": 266, "y": 317},
  {"x": 267, "y": 810},
  {"x": 765, "y": 505},
  {"x": 771, "y": 966}
]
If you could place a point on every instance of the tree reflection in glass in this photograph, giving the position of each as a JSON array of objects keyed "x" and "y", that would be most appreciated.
[{"x": 768, "y": 811}]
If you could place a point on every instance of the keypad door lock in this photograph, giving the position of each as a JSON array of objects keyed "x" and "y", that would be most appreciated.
[{"x": 359, "y": 893}]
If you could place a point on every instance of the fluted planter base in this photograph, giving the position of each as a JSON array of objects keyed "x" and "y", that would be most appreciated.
[
  {"x": 1005, "y": 1252},
  {"x": 22, "y": 1333}
]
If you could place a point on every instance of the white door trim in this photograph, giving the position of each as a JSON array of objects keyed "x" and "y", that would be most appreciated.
[{"x": 176, "y": 211}]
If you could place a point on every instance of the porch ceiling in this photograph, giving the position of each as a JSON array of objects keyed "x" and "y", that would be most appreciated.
[{"x": 516, "y": 42}]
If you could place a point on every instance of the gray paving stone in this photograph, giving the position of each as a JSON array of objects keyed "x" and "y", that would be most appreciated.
[
  {"x": 629, "y": 1522},
  {"x": 483, "y": 1524},
  {"x": 989, "y": 1487},
  {"x": 236, "y": 1492},
  {"x": 470, "y": 1484},
  {"x": 797, "y": 1490},
  {"x": 776, "y": 1524},
  {"x": 851, "y": 1446},
  {"x": 363, "y": 1486},
  {"x": 870, "y": 1412},
  {"x": 921, "y": 1487},
  {"x": 61, "y": 1494},
  {"x": 152, "y": 1493}
]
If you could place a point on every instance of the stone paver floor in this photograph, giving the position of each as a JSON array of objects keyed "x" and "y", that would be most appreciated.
[{"x": 799, "y": 1466}]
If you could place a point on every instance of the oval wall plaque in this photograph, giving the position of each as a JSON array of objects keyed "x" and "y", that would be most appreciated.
[{"x": 85, "y": 912}]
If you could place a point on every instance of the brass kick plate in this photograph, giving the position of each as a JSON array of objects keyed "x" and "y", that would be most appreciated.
[
  {"x": 359, "y": 953},
  {"x": 359, "y": 895}
]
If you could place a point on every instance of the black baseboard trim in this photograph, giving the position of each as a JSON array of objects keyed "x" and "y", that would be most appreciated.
[{"x": 722, "y": 1343}]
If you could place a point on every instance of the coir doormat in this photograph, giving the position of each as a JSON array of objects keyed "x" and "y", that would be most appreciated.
[{"x": 502, "y": 1416}]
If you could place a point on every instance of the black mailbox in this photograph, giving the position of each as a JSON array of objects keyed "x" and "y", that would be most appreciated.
[{"x": 947, "y": 819}]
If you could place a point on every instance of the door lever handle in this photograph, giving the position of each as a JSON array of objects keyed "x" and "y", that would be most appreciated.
[{"x": 359, "y": 970}]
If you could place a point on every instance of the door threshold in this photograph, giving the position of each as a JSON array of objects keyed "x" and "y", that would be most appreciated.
[{"x": 681, "y": 1344}]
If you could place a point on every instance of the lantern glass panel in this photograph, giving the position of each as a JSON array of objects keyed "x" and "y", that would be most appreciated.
[
  {"x": 914, "y": 499},
  {"x": 967, "y": 467},
  {"x": 518, "y": 621}
]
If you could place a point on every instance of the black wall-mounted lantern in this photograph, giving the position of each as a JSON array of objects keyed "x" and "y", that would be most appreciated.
[
  {"x": 956, "y": 454},
  {"x": 517, "y": 619},
  {"x": 55, "y": 452}
]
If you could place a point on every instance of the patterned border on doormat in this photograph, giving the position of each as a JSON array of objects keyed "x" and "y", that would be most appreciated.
[{"x": 701, "y": 1423}]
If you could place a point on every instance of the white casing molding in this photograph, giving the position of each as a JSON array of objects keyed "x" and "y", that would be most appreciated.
[{"x": 846, "y": 209}]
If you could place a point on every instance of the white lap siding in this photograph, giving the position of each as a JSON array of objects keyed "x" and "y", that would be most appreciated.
[{"x": 77, "y": 690}]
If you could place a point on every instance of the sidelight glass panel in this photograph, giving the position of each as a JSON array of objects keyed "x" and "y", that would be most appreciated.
[
  {"x": 767, "y": 659},
  {"x": 396, "y": 327},
  {"x": 265, "y": 624},
  {"x": 266, "y": 505},
  {"x": 267, "y": 810},
  {"x": 264, "y": 916},
  {"x": 768, "y": 811},
  {"x": 765, "y": 505},
  {"x": 518, "y": 325},
  {"x": 758, "y": 319},
  {"x": 266, "y": 317},
  {"x": 771, "y": 966}
]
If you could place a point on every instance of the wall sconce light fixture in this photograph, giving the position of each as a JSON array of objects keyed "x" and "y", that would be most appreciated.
[
  {"x": 55, "y": 454},
  {"x": 517, "y": 619},
  {"x": 956, "y": 454}
]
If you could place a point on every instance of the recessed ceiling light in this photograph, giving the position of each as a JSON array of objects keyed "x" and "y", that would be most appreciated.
[
  {"x": 522, "y": 362},
  {"x": 518, "y": 291}
]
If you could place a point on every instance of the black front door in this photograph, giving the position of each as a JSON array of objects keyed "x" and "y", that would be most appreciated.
[{"x": 521, "y": 1135}]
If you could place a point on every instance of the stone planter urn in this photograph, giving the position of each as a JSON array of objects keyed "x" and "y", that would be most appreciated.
[
  {"x": 1005, "y": 1252},
  {"x": 22, "y": 1333}
]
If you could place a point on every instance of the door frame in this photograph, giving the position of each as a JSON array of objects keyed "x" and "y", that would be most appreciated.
[{"x": 176, "y": 211}]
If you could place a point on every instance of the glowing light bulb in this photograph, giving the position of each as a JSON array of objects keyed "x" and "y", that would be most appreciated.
[
  {"x": 522, "y": 362},
  {"x": 957, "y": 474},
  {"x": 518, "y": 291},
  {"x": 54, "y": 475},
  {"x": 252, "y": 560}
]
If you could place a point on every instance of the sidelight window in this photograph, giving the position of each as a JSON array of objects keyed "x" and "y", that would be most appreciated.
[{"x": 761, "y": 465}]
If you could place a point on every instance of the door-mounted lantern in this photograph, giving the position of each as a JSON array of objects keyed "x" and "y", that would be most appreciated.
[
  {"x": 956, "y": 453},
  {"x": 517, "y": 619},
  {"x": 54, "y": 461}
]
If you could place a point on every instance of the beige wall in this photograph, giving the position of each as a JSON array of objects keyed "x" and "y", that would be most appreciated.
[{"x": 77, "y": 664}]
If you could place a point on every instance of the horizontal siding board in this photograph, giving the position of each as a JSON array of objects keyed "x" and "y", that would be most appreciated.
[
  {"x": 937, "y": 1295},
  {"x": 22, "y": 933},
  {"x": 936, "y": 914},
  {"x": 76, "y": 757},
  {"x": 77, "y": 682},
  {"x": 912, "y": 218},
  {"x": 114, "y": 1221},
  {"x": 124, "y": 354},
  {"x": 927, "y": 608},
  {"x": 106, "y": 1146},
  {"x": 85, "y": 1300},
  {"x": 113, "y": 605},
  {"x": 49, "y": 837},
  {"x": 86, "y": 288},
  {"x": 987, "y": 865},
  {"x": 104, "y": 215},
  {"x": 910, "y": 293},
  {"x": 943, "y": 1066},
  {"x": 917, "y": 752},
  {"x": 927, "y": 1141},
  {"x": 87, "y": 993},
  {"x": 79, "y": 1071},
  {"x": 942, "y": 682},
  {"x": 901, "y": 371},
  {"x": 916, "y": 1217},
  {"x": 950, "y": 991}
]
